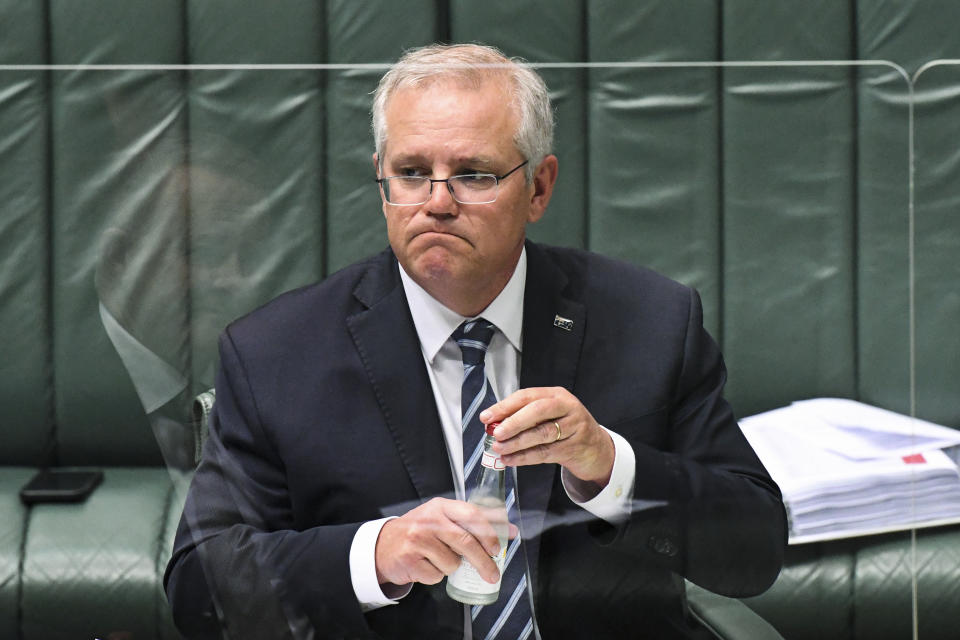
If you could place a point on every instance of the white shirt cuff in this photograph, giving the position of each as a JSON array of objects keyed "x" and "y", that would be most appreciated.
[
  {"x": 363, "y": 569},
  {"x": 612, "y": 503}
]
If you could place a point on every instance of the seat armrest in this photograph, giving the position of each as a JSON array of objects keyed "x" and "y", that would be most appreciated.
[
  {"x": 728, "y": 618},
  {"x": 200, "y": 421}
]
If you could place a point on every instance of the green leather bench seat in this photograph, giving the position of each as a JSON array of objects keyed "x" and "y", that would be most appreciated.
[
  {"x": 818, "y": 578},
  {"x": 13, "y": 521},
  {"x": 93, "y": 569},
  {"x": 862, "y": 587},
  {"x": 883, "y": 595}
]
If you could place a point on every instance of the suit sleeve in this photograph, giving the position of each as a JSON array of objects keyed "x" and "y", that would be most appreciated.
[
  {"x": 239, "y": 568},
  {"x": 722, "y": 524}
]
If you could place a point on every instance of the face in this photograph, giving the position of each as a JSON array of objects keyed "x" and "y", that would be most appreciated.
[{"x": 462, "y": 254}]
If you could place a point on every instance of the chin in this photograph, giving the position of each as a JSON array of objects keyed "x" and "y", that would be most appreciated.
[{"x": 435, "y": 271}]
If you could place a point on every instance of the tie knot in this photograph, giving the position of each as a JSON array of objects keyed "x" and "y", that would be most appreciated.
[{"x": 473, "y": 337}]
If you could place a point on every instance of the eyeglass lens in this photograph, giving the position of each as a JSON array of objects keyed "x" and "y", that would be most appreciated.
[{"x": 466, "y": 189}]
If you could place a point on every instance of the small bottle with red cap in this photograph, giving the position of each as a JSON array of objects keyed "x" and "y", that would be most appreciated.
[{"x": 465, "y": 584}]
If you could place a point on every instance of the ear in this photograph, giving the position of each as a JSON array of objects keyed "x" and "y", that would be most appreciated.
[
  {"x": 376, "y": 172},
  {"x": 544, "y": 178}
]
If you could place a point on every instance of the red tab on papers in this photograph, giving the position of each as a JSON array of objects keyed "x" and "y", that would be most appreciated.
[{"x": 916, "y": 458}]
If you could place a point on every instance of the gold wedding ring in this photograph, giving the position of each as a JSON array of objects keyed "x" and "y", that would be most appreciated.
[{"x": 557, "y": 425}]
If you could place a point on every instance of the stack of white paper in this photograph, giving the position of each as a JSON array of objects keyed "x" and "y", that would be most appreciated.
[{"x": 846, "y": 468}]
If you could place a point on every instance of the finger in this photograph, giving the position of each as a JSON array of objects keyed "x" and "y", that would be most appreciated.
[
  {"x": 511, "y": 404},
  {"x": 499, "y": 520},
  {"x": 542, "y": 434},
  {"x": 530, "y": 416},
  {"x": 470, "y": 549},
  {"x": 442, "y": 558},
  {"x": 477, "y": 541},
  {"x": 496, "y": 517},
  {"x": 539, "y": 454},
  {"x": 427, "y": 572},
  {"x": 483, "y": 524}
]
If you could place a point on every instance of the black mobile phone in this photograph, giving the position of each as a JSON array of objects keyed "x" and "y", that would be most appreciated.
[{"x": 61, "y": 485}]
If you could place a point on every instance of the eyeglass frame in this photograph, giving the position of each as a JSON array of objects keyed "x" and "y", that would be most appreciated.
[{"x": 380, "y": 182}]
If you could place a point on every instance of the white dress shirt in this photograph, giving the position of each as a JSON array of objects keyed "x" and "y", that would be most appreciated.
[{"x": 434, "y": 323}]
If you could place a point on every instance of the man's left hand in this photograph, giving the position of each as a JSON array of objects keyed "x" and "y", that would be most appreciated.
[{"x": 549, "y": 424}]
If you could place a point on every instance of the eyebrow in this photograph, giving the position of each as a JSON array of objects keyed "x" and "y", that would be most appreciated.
[{"x": 472, "y": 161}]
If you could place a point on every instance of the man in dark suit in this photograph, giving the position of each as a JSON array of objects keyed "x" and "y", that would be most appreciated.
[{"x": 326, "y": 504}]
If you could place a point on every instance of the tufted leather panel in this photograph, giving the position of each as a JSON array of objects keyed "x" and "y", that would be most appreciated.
[
  {"x": 787, "y": 210},
  {"x": 938, "y": 590},
  {"x": 13, "y": 522},
  {"x": 90, "y": 569},
  {"x": 818, "y": 580},
  {"x": 882, "y": 591},
  {"x": 174, "y": 507},
  {"x": 25, "y": 364},
  {"x": 545, "y": 31},
  {"x": 361, "y": 32},
  {"x": 654, "y": 143},
  {"x": 117, "y": 144},
  {"x": 938, "y": 241},
  {"x": 256, "y": 159},
  {"x": 882, "y": 214},
  {"x": 728, "y": 617}
]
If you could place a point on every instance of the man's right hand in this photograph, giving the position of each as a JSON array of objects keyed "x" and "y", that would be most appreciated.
[{"x": 426, "y": 543}]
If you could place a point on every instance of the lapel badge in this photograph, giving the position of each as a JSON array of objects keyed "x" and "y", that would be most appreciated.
[{"x": 564, "y": 323}]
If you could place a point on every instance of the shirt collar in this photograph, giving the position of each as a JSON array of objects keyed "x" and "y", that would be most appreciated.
[{"x": 435, "y": 322}]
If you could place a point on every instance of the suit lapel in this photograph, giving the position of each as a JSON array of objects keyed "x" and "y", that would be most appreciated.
[
  {"x": 550, "y": 357},
  {"x": 389, "y": 348}
]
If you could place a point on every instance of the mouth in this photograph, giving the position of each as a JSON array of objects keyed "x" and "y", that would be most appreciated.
[{"x": 435, "y": 234}]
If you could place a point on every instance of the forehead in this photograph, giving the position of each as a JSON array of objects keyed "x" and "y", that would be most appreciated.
[{"x": 451, "y": 117}]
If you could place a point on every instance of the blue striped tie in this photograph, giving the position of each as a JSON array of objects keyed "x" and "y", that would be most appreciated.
[{"x": 508, "y": 617}]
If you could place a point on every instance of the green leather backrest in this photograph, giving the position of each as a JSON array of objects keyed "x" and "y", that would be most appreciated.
[
  {"x": 26, "y": 392},
  {"x": 115, "y": 143},
  {"x": 781, "y": 194}
]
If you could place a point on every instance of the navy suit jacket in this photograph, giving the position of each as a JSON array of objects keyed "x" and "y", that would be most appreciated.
[{"x": 325, "y": 419}]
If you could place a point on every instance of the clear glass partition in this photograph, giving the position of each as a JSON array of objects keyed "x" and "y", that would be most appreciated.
[{"x": 148, "y": 207}]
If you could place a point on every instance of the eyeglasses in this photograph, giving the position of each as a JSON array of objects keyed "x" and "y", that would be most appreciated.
[{"x": 471, "y": 188}]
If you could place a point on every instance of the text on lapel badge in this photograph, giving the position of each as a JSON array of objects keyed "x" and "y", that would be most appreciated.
[{"x": 564, "y": 323}]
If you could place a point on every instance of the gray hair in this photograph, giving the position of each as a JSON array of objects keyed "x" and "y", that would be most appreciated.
[{"x": 472, "y": 64}]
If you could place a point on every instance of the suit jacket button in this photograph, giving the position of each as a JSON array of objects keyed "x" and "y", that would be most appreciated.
[{"x": 663, "y": 546}]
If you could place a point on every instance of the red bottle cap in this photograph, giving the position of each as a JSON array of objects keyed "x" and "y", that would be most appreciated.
[{"x": 491, "y": 427}]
